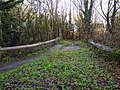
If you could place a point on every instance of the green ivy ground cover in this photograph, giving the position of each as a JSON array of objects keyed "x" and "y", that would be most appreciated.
[{"x": 60, "y": 70}]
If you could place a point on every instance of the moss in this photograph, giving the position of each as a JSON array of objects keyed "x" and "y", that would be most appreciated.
[{"x": 117, "y": 51}]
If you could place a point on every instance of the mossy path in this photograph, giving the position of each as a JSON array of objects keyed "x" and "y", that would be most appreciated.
[{"x": 60, "y": 70}]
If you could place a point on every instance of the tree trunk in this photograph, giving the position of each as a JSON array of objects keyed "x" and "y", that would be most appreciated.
[{"x": 113, "y": 16}]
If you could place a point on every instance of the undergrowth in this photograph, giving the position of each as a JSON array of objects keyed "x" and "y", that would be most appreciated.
[
  {"x": 61, "y": 69},
  {"x": 21, "y": 54}
]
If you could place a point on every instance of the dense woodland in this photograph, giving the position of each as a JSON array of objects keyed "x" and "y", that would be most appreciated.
[{"x": 41, "y": 20}]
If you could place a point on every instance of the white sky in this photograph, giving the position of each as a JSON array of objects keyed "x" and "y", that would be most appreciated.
[{"x": 66, "y": 4}]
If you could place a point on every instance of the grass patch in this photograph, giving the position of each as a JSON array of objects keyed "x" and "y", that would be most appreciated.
[
  {"x": 64, "y": 70},
  {"x": 81, "y": 43},
  {"x": 65, "y": 42}
]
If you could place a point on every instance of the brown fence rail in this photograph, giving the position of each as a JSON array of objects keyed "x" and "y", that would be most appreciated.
[{"x": 15, "y": 49}]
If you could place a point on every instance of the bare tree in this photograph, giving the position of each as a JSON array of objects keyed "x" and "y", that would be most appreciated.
[
  {"x": 85, "y": 8},
  {"x": 53, "y": 13},
  {"x": 109, "y": 16},
  {"x": 63, "y": 23}
]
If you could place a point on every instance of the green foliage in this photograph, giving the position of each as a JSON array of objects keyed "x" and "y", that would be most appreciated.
[
  {"x": 70, "y": 27},
  {"x": 10, "y": 33},
  {"x": 81, "y": 43},
  {"x": 116, "y": 54},
  {"x": 117, "y": 51},
  {"x": 65, "y": 42},
  {"x": 7, "y": 5},
  {"x": 60, "y": 69},
  {"x": 108, "y": 55},
  {"x": 21, "y": 54},
  {"x": 19, "y": 30},
  {"x": 5, "y": 59}
]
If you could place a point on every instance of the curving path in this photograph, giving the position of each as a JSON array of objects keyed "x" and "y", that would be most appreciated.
[{"x": 14, "y": 64}]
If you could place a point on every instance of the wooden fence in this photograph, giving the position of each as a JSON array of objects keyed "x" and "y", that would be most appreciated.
[{"x": 27, "y": 48}]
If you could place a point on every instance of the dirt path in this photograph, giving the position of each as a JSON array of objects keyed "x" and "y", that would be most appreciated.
[{"x": 13, "y": 64}]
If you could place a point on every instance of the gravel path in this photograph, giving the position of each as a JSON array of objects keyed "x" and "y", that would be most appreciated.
[
  {"x": 14, "y": 64},
  {"x": 71, "y": 47}
]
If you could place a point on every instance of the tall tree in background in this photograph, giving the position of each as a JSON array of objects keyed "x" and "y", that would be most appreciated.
[
  {"x": 109, "y": 17},
  {"x": 31, "y": 22},
  {"x": 70, "y": 24},
  {"x": 87, "y": 12},
  {"x": 52, "y": 6},
  {"x": 7, "y": 22},
  {"x": 6, "y": 5},
  {"x": 63, "y": 24},
  {"x": 85, "y": 8},
  {"x": 117, "y": 21}
]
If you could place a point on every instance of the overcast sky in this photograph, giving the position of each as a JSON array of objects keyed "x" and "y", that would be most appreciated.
[
  {"x": 97, "y": 4},
  {"x": 66, "y": 5}
]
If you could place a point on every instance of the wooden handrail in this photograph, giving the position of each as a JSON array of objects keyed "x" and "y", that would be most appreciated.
[
  {"x": 14, "y": 48},
  {"x": 26, "y": 46}
]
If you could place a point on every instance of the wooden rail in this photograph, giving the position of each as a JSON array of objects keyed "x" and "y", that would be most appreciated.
[{"x": 8, "y": 50}]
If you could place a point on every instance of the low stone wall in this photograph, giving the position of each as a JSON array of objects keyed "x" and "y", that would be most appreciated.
[
  {"x": 26, "y": 48},
  {"x": 110, "y": 53},
  {"x": 100, "y": 46}
]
